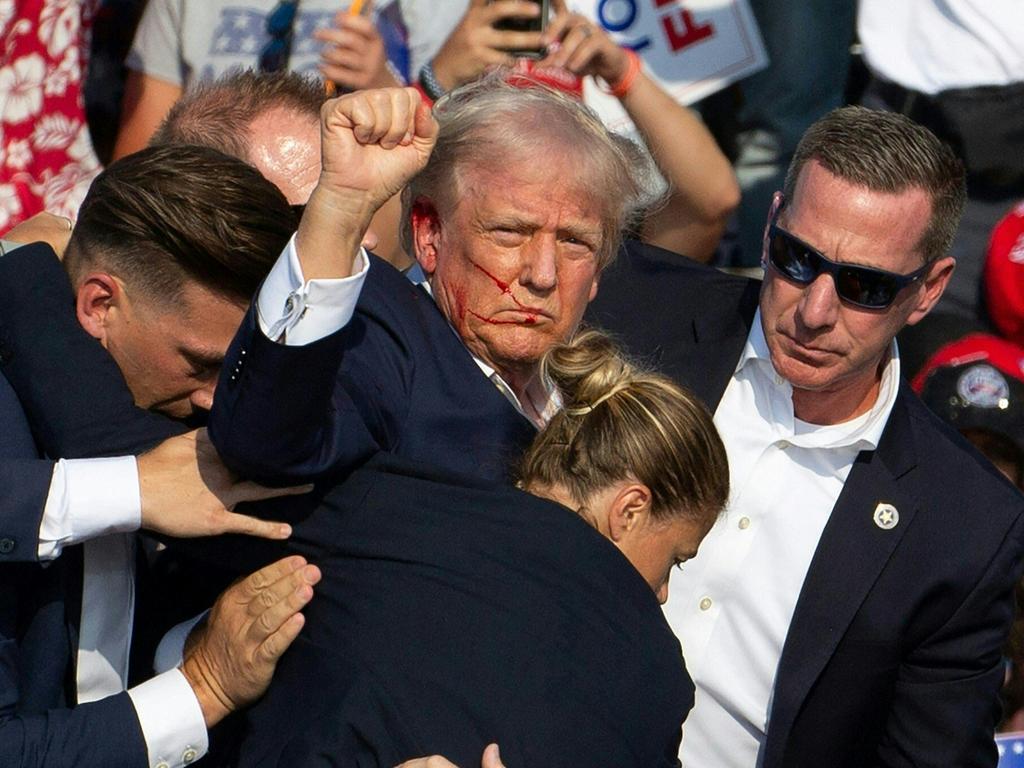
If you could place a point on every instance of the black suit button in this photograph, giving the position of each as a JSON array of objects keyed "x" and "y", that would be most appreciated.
[{"x": 6, "y": 546}]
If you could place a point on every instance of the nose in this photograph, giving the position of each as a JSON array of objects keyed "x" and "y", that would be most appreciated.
[
  {"x": 540, "y": 264},
  {"x": 202, "y": 398},
  {"x": 819, "y": 304}
]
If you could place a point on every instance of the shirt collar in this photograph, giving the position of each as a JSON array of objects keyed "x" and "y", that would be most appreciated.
[
  {"x": 864, "y": 430},
  {"x": 542, "y": 393}
]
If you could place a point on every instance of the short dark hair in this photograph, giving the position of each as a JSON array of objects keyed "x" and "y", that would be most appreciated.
[
  {"x": 167, "y": 215},
  {"x": 887, "y": 152},
  {"x": 219, "y": 113}
]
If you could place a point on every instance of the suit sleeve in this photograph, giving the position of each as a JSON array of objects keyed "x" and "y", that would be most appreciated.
[
  {"x": 285, "y": 414},
  {"x": 100, "y": 734},
  {"x": 24, "y": 486},
  {"x": 75, "y": 398},
  {"x": 945, "y": 705}
]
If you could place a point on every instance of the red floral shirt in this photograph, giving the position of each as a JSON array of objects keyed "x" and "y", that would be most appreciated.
[{"x": 46, "y": 156}]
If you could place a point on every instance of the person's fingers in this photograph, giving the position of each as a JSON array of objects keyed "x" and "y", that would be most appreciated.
[
  {"x": 510, "y": 9},
  {"x": 491, "y": 757},
  {"x": 256, "y": 582},
  {"x": 508, "y": 40},
  {"x": 363, "y": 117},
  {"x": 271, "y": 649},
  {"x": 401, "y": 126},
  {"x": 583, "y": 54},
  {"x": 426, "y": 126},
  {"x": 275, "y": 615},
  {"x": 280, "y": 591},
  {"x": 253, "y": 526},
  {"x": 344, "y": 58},
  {"x": 362, "y": 26}
]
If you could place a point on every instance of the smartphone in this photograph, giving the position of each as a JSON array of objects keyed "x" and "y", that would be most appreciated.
[{"x": 538, "y": 24}]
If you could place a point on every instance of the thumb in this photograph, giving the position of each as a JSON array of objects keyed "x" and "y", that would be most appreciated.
[
  {"x": 424, "y": 124},
  {"x": 492, "y": 757}
]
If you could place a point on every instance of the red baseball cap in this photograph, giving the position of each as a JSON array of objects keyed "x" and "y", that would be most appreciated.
[{"x": 1003, "y": 280}]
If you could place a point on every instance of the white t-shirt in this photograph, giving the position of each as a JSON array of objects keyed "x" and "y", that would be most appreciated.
[
  {"x": 932, "y": 45},
  {"x": 183, "y": 41}
]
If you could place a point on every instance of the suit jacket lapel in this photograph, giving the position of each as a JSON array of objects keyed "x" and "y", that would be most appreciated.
[
  {"x": 851, "y": 554},
  {"x": 707, "y": 366}
]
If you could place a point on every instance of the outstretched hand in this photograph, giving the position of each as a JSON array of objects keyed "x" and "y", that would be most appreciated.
[
  {"x": 230, "y": 659},
  {"x": 187, "y": 491}
]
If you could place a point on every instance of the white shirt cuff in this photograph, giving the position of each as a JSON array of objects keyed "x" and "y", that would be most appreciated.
[
  {"x": 295, "y": 311},
  {"x": 171, "y": 651},
  {"x": 89, "y": 498},
  {"x": 171, "y": 720}
]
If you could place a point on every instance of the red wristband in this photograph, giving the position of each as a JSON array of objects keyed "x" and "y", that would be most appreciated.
[{"x": 622, "y": 87}]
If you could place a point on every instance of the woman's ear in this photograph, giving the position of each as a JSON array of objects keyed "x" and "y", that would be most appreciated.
[{"x": 629, "y": 510}]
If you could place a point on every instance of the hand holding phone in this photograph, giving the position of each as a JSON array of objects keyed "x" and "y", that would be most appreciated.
[{"x": 479, "y": 42}]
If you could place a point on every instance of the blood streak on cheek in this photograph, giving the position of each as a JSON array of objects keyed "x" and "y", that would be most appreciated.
[{"x": 506, "y": 289}]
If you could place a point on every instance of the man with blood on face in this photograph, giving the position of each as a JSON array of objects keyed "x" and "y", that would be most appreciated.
[{"x": 511, "y": 216}]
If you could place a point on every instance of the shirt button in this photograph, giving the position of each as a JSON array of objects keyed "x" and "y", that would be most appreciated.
[
  {"x": 189, "y": 755},
  {"x": 705, "y": 603},
  {"x": 783, "y": 444},
  {"x": 744, "y": 523},
  {"x": 162, "y": 764},
  {"x": 6, "y": 546}
]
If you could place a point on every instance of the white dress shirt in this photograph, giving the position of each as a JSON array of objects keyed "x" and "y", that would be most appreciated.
[
  {"x": 97, "y": 502},
  {"x": 731, "y": 606},
  {"x": 295, "y": 311}
]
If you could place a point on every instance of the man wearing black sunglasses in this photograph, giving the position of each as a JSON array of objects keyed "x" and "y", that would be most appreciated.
[{"x": 849, "y": 607}]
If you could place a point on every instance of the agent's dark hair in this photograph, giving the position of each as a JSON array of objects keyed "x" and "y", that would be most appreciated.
[
  {"x": 168, "y": 215},
  {"x": 887, "y": 152},
  {"x": 620, "y": 422},
  {"x": 219, "y": 113}
]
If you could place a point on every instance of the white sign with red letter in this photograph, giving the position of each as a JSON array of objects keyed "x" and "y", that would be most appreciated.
[{"x": 691, "y": 47}]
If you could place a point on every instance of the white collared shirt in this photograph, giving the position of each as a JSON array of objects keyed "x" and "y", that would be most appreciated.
[
  {"x": 295, "y": 311},
  {"x": 97, "y": 502},
  {"x": 732, "y": 605}
]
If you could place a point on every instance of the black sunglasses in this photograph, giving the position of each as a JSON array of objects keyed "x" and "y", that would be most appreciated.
[
  {"x": 865, "y": 287},
  {"x": 280, "y": 23}
]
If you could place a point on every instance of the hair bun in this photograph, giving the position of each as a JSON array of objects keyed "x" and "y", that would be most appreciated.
[{"x": 587, "y": 371}]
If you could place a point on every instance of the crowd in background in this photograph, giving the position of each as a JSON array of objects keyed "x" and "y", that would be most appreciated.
[{"x": 140, "y": 85}]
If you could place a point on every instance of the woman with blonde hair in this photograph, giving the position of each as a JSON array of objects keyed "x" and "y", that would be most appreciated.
[{"x": 454, "y": 613}]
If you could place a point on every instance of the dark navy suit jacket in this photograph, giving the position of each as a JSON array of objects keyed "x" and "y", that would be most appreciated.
[
  {"x": 40, "y": 604},
  {"x": 396, "y": 379},
  {"x": 893, "y": 656},
  {"x": 454, "y": 612}
]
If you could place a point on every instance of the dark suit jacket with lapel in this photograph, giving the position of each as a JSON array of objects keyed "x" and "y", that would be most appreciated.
[
  {"x": 893, "y": 654},
  {"x": 395, "y": 379},
  {"x": 455, "y": 612},
  {"x": 40, "y": 604}
]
